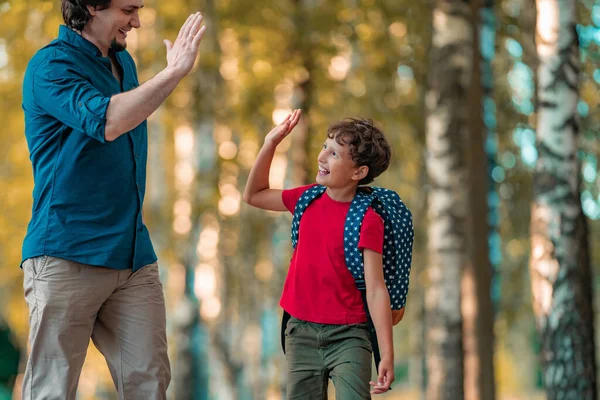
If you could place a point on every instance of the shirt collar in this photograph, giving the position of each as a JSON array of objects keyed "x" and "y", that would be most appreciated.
[{"x": 75, "y": 39}]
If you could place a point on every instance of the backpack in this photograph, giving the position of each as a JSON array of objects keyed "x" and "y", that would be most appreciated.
[{"x": 397, "y": 244}]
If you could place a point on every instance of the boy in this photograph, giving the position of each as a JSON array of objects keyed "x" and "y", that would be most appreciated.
[{"x": 327, "y": 334}]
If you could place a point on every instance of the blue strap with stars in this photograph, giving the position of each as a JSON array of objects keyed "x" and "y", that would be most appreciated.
[{"x": 397, "y": 243}]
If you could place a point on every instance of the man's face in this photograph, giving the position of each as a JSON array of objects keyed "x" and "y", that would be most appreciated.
[{"x": 109, "y": 27}]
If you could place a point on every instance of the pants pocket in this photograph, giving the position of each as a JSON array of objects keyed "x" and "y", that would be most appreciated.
[
  {"x": 291, "y": 327},
  {"x": 35, "y": 266}
]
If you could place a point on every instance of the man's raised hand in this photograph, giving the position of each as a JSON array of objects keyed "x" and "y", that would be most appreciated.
[
  {"x": 280, "y": 132},
  {"x": 182, "y": 54}
]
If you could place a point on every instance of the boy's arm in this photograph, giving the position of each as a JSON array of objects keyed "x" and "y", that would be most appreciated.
[
  {"x": 378, "y": 301},
  {"x": 257, "y": 192}
]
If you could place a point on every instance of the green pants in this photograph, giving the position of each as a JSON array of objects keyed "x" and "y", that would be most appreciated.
[{"x": 317, "y": 352}]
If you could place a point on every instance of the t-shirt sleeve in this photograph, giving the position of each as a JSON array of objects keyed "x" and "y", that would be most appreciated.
[
  {"x": 291, "y": 196},
  {"x": 371, "y": 232}
]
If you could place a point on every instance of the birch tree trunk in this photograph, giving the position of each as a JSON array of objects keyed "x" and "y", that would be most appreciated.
[
  {"x": 559, "y": 264},
  {"x": 447, "y": 104}
]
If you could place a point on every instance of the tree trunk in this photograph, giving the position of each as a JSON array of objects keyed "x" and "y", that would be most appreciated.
[
  {"x": 447, "y": 104},
  {"x": 559, "y": 265},
  {"x": 477, "y": 308},
  {"x": 301, "y": 139}
]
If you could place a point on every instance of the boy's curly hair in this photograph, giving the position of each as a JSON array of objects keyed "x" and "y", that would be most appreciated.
[{"x": 368, "y": 146}]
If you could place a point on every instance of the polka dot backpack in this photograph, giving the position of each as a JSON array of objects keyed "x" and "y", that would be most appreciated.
[{"x": 398, "y": 236}]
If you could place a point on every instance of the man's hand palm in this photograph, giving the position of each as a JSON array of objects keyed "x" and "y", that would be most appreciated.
[{"x": 182, "y": 54}]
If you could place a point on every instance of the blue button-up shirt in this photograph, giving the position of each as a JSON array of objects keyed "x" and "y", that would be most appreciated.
[{"x": 88, "y": 193}]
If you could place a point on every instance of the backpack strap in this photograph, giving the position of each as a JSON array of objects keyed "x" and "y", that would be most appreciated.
[
  {"x": 354, "y": 258},
  {"x": 303, "y": 202},
  {"x": 285, "y": 317},
  {"x": 372, "y": 330}
]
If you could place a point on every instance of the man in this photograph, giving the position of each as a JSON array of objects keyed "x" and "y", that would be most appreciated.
[{"x": 89, "y": 266}]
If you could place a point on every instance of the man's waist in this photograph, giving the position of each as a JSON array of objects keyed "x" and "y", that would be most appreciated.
[
  {"x": 77, "y": 231},
  {"x": 119, "y": 251}
]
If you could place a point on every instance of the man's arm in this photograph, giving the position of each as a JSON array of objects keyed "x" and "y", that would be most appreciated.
[
  {"x": 63, "y": 90},
  {"x": 258, "y": 192},
  {"x": 128, "y": 110},
  {"x": 378, "y": 301}
]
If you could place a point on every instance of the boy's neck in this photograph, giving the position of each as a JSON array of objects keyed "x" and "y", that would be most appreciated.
[{"x": 344, "y": 194}]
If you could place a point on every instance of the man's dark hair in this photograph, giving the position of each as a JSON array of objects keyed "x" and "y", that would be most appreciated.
[
  {"x": 76, "y": 14},
  {"x": 368, "y": 146}
]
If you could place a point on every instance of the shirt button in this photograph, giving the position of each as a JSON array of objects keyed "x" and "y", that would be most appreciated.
[
  {"x": 135, "y": 156},
  {"x": 80, "y": 104},
  {"x": 139, "y": 187}
]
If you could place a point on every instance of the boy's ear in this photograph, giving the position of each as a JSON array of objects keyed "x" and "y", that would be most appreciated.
[
  {"x": 92, "y": 10},
  {"x": 360, "y": 173}
]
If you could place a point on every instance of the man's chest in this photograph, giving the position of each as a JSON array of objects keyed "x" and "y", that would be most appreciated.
[
  {"x": 110, "y": 76},
  {"x": 116, "y": 71}
]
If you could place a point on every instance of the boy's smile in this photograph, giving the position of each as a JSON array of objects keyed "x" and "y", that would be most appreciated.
[{"x": 323, "y": 171}]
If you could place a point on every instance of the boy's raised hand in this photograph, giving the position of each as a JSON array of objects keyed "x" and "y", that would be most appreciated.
[
  {"x": 280, "y": 132},
  {"x": 385, "y": 377}
]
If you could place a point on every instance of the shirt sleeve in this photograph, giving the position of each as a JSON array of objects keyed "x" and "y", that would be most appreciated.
[
  {"x": 371, "y": 232},
  {"x": 291, "y": 196},
  {"x": 63, "y": 91}
]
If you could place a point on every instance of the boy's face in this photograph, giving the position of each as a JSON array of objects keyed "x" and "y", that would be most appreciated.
[{"x": 336, "y": 167}]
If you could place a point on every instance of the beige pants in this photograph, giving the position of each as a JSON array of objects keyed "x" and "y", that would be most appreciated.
[{"x": 123, "y": 313}]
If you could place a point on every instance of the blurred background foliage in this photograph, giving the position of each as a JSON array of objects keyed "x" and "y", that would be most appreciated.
[{"x": 222, "y": 262}]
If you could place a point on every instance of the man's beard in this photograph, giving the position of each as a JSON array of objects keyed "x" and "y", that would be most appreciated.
[{"x": 116, "y": 46}]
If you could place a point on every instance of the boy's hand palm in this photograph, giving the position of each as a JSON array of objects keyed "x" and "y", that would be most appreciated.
[
  {"x": 281, "y": 131},
  {"x": 385, "y": 377}
]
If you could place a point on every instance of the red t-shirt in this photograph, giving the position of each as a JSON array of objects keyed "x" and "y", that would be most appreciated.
[{"x": 319, "y": 287}]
